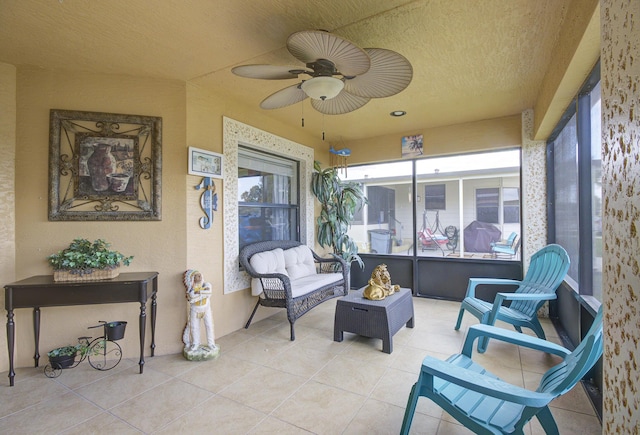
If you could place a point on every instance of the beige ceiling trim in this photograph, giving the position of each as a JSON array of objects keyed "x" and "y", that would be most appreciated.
[
  {"x": 468, "y": 137},
  {"x": 570, "y": 66}
]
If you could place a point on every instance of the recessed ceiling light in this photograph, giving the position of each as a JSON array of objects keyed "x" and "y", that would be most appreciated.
[{"x": 398, "y": 113}]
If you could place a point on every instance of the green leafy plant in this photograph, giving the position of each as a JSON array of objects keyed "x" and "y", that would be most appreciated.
[
  {"x": 340, "y": 201},
  {"x": 83, "y": 256},
  {"x": 63, "y": 351}
]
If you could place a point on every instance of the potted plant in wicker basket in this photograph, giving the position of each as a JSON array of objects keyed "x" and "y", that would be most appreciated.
[{"x": 87, "y": 261}]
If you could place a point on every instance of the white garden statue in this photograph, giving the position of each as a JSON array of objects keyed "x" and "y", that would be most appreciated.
[{"x": 198, "y": 296}]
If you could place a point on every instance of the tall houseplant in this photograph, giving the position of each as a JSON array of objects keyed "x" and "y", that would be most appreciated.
[{"x": 340, "y": 200}]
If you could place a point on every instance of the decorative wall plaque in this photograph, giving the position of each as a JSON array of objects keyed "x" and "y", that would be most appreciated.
[{"x": 104, "y": 166}]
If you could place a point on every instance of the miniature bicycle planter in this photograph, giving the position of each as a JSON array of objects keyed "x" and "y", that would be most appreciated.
[{"x": 103, "y": 352}]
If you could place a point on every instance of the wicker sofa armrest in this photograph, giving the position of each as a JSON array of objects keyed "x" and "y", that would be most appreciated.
[
  {"x": 275, "y": 285},
  {"x": 331, "y": 265},
  {"x": 333, "y": 260}
]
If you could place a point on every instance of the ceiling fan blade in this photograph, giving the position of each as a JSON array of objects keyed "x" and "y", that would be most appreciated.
[
  {"x": 343, "y": 103},
  {"x": 269, "y": 72},
  {"x": 310, "y": 45},
  {"x": 389, "y": 74},
  {"x": 284, "y": 97}
]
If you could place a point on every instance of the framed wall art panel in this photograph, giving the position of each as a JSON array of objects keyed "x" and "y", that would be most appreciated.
[
  {"x": 104, "y": 166},
  {"x": 205, "y": 163}
]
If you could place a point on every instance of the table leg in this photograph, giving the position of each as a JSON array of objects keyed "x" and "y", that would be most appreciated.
[
  {"x": 338, "y": 332},
  {"x": 10, "y": 344},
  {"x": 142, "y": 325},
  {"x": 410, "y": 323},
  {"x": 36, "y": 334},
  {"x": 387, "y": 342},
  {"x": 153, "y": 315}
]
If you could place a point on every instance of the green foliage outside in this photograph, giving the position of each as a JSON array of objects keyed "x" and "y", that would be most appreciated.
[{"x": 253, "y": 195}]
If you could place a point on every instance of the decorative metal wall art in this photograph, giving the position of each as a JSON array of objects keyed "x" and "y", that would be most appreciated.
[
  {"x": 208, "y": 201},
  {"x": 104, "y": 166}
]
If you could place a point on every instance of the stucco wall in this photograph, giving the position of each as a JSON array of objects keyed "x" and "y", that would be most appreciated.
[
  {"x": 534, "y": 189},
  {"x": 620, "y": 60},
  {"x": 7, "y": 186},
  {"x": 159, "y": 246}
]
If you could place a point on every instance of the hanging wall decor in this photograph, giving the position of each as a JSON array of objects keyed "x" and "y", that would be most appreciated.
[
  {"x": 412, "y": 146},
  {"x": 104, "y": 166},
  {"x": 208, "y": 201},
  {"x": 205, "y": 163},
  {"x": 339, "y": 158}
]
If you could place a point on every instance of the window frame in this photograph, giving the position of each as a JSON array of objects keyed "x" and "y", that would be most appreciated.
[
  {"x": 580, "y": 107},
  {"x": 294, "y": 197},
  {"x": 441, "y": 196},
  {"x": 235, "y": 133},
  {"x": 410, "y": 184},
  {"x": 486, "y": 192},
  {"x": 505, "y": 206}
]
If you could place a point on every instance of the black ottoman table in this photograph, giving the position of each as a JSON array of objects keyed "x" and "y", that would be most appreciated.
[{"x": 373, "y": 319}]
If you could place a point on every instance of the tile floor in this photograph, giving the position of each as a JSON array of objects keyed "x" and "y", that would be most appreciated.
[{"x": 262, "y": 383}]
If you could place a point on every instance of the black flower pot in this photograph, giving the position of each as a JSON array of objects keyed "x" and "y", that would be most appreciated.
[
  {"x": 115, "y": 330},
  {"x": 62, "y": 362}
]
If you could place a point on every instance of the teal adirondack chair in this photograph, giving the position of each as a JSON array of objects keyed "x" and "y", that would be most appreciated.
[
  {"x": 508, "y": 249},
  {"x": 487, "y": 405},
  {"x": 547, "y": 269}
]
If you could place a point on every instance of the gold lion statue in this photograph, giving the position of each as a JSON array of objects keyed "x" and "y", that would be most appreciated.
[{"x": 380, "y": 284}]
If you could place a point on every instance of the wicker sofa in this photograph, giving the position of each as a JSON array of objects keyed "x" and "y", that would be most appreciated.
[{"x": 288, "y": 274}]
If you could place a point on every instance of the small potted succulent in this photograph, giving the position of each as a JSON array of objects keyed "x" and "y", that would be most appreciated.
[{"x": 85, "y": 261}]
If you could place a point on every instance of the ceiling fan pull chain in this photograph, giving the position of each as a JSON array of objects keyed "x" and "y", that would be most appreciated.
[
  {"x": 302, "y": 109},
  {"x": 323, "y": 126}
]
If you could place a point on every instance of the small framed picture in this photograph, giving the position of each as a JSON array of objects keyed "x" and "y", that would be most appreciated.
[
  {"x": 412, "y": 146},
  {"x": 205, "y": 163}
]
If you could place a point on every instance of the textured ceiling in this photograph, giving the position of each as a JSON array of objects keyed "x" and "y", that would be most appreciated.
[{"x": 472, "y": 60}]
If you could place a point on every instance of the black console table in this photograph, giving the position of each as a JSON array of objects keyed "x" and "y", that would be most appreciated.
[{"x": 41, "y": 291}]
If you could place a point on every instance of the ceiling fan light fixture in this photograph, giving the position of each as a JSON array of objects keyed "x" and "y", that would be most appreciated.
[{"x": 322, "y": 87}]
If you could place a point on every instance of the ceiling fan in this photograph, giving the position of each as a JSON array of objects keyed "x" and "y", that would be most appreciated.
[{"x": 342, "y": 76}]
